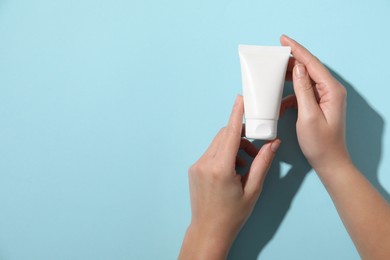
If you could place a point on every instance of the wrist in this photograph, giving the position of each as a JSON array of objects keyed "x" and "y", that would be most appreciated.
[
  {"x": 201, "y": 242},
  {"x": 330, "y": 162},
  {"x": 334, "y": 170}
]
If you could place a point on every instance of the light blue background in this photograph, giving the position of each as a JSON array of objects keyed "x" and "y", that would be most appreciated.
[{"x": 105, "y": 104}]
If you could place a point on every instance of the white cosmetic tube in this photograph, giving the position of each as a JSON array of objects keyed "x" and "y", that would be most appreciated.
[{"x": 263, "y": 71}]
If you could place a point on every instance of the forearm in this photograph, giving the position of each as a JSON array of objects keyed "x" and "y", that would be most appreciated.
[
  {"x": 364, "y": 212},
  {"x": 201, "y": 244}
]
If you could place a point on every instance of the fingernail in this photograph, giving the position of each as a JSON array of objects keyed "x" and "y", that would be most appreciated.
[
  {"x": 275, "y": 145},
  {"x": 237, "y": 97},
  {"x": 300, "y": 70}
]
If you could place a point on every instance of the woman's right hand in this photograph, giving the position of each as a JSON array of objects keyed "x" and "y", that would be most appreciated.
[{"x": 321, "y": 102}]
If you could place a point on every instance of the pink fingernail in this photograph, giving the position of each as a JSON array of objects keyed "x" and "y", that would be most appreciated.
[
  {"x": 236, "y": 100},
  {"x": 275, "y": 145},
  {"x": 300, "y": 70}
]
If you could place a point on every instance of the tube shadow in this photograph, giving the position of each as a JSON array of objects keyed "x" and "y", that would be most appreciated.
[{"x": 279, "y": 190}]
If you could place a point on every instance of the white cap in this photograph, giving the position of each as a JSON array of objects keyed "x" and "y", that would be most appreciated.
[{"x": 262, "y": 129}]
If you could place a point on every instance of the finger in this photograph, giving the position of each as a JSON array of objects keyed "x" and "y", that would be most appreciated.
[
  {"x": 228, "y": 149},
  {"x": 288, "y": 102},
  {"x": 248, "y": 147},
  {"x": 318, "y": 72},
  {"x": 243, "y": 130},
  {"x": 259, "y": 168},
  {"x": 240, "y": 162},
  {"x": 306, "y": 99},
  {"x": 212, "y": 149}
]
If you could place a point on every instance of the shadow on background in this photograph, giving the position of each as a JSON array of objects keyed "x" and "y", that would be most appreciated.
[
  {"x": 364, "y": 135},
  {"x": 364, "y": 139}
]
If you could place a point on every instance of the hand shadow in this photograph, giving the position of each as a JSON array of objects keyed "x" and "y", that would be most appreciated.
[
  {"x": 363, "y": 123},
  {"x": 364, "y": 134},
  {"x": 278, "y": 191}
]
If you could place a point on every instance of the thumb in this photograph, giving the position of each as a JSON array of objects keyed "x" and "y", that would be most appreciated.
[
  {"x": 259, "y": 168},
  {"x": 307, "y": 102}
]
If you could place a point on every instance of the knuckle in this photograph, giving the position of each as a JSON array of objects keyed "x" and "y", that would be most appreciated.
[
  {"x": 340, "y": 92},
  {"x": 306, "y": 87},
  {"x": 217, "y": 172},
  {"x": 197, "y": 168},
  {"x": 266, "y": 159},
  {"x": 215, "y": 178},
  {"x": 343, "y": 91},
  {"x": 316, "y": 59},
  {"x": 216, "y": 169},
  {"x": 213, "y": 171},
  {"x": 193, "y": 169},
  {"x": 312, "y": 59}
]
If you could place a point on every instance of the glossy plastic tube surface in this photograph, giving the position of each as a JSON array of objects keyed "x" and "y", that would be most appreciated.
[{"x": 263, "y": 70}]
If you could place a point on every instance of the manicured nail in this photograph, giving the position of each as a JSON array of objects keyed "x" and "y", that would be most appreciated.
[
  {"x": 275, "y": 145},
  {"x": 300, "y": 70}
]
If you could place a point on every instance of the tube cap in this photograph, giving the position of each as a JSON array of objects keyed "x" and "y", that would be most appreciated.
[{"x": 261, "y": 129}]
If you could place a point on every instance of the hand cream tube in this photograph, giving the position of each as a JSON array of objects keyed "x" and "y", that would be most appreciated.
[{"x": 263, "y": 69}]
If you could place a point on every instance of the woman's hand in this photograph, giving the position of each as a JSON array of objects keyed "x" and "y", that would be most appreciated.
[
  {"x": 321, "y": 102},
  {"x": 222, "y": 200}
]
